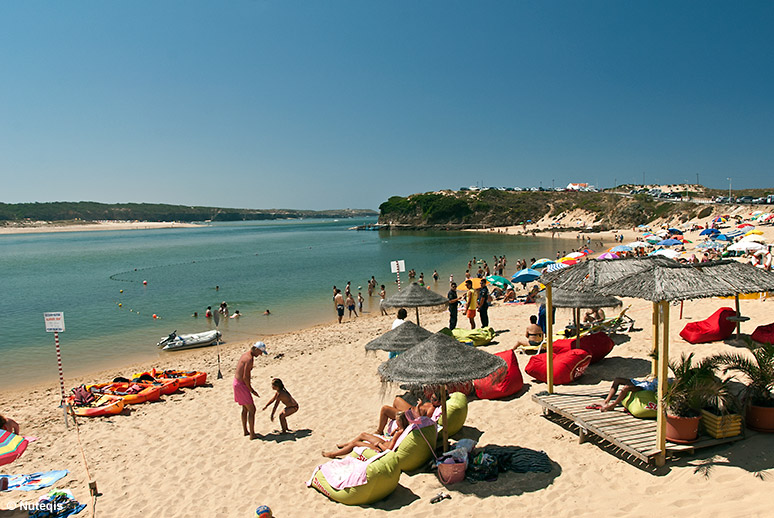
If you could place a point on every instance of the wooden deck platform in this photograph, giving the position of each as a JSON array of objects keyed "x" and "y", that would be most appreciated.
[{"x": 637, "y": 437}]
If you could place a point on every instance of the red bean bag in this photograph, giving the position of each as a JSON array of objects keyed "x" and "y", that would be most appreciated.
[
  {"x": 493, "y": 388},
  {"x": 598, "y": 345},
  {"x": 715, "y": 327},
  {"x": 568, "y": 366},
  {"x": 764, "y": 334}
]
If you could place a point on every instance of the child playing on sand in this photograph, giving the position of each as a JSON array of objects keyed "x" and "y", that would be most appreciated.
[{"x": 282, "y": 394}]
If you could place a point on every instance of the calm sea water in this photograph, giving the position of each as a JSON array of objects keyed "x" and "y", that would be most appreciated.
[{"x": 288, "y": 267}]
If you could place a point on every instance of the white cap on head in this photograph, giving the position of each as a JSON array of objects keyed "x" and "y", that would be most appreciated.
[{"x": 260, "y": 346}]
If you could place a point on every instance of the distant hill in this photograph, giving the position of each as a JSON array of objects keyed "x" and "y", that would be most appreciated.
[
  {"x": 93, "y": 211},
  {"x": 495, "y": 207}
]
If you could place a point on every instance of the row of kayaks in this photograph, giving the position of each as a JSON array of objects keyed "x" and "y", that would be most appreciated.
[{"x": 101, "y": 399}]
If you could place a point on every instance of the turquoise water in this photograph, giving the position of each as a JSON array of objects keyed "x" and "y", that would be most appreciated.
[{"x": 288, "y": 267}]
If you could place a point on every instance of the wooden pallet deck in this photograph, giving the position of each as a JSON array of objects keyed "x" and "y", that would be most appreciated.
[{"x": 636, "y": 437}]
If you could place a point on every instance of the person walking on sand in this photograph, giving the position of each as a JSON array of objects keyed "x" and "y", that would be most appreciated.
[
  {"x": 351, "y": 305},
  {"x": 382, "y": 295},
  {"x": 243, "y": 391},
  {"x": 338, "y": 299},
  {"x": 470, "y": 299},
  {"x": 282, "y": 395},
  {"x": 483, "y": 303}
]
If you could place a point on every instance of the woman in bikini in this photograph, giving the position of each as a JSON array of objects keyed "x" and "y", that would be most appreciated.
[
  {"x": 281, "y": 394},
  {"x": 374, "y": 442},
  {"x": 533, "y": 336}
]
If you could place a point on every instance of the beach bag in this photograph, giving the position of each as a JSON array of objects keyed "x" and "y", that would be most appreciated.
[
  {"x": 451, "y": 473},
  {"x": 483, "y": 467}
]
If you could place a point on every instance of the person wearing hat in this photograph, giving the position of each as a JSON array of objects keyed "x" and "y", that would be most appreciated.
[{"x": 243, "y": 391}]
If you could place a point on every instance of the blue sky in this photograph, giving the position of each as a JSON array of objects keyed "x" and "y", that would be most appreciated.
[{"x": 310, "y": 104}]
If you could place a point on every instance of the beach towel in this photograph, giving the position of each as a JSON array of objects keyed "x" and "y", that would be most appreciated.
[
  {"x": 11, "y": 446},
  {"x": 345, "y": 472},
  {"x": 58, "y": 504},
  {"x": 34, "y": 481},
  {"x": 519, "y": 460}
]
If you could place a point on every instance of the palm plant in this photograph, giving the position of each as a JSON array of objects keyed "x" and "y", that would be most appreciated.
[
  {"x": 696, "y": 386},
  {"x": 758, "y": 368}
]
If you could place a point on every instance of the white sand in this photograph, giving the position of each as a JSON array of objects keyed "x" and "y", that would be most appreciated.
[{"x": 39, "y": 227}]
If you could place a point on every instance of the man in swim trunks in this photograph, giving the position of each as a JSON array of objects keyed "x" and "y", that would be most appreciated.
[
  {"x": 243, "y": 391},
  {"x": 483, "y": 303},
  {"x": 470, "y": 299},
  {"x": 534, "y": 335},
  {"x": 338, "y": 299}
]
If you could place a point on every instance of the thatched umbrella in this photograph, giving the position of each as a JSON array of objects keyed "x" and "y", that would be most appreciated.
[
  {"x": 668, "y": 282},
  {"x": 400, "y": 339},
  {"x": 415, "y": 296},
  {"x": 437, "y": 362},
  {"x": 576, "y": 300}
]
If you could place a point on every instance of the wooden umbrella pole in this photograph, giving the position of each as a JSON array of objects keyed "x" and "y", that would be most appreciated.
[
  {"x": 550, "y": 339},
  {"x": 738, "y": 314},
  {"x": 655, "y": 322},
  {"x": 417, "y": 308},
  {"x": 576, "y": 314},
  {"x": 663, "y": 373},
  {"x": 445, "y": 438}
]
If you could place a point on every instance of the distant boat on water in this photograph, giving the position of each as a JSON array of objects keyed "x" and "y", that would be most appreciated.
[{"x": 374, "y": 226}]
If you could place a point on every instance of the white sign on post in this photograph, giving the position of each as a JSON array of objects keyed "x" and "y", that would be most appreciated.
[
  {"x": 54, "y": 322},
  {"x": 397, "y": 266}
]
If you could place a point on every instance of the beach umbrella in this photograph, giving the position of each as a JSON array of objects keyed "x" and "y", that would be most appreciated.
[
  {"x": 414, "y": 296},
  {"x": 669, "y": 242},
  {"x": 576, "y": 300},
  {"x": 745, "y": 225},
  {"x": 439, "y": 361},
  {"x": 554, "y": 267},
  {"x": 11, "y": 447},
  {"x": 754, "y": 232},
  {"x": 608, "y": 255},
  {"x": 400, "y": 339},
  {"x": 541, "y": 263},
  {"x": 720, "y": 219},
  {"x": 652, "y": 240},
  {"x": 500, "y": 282},
  {"x": 575, "y": 255},
  {"x": 621, "y": 248},
  {"x": 525, "y": 275},
  {"x": 753, "y": 237},
  {"x": 675, "y": 231},
  {"x": 709, "y": 232},
  {"x": 638, "y": 244},
  {"x": 569, "y": 261},
  {"x": 746, "y": 246},
  {"x": 667, "y": 252}
]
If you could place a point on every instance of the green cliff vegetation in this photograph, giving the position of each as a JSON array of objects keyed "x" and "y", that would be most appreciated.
[
  {"x": 93, "y": 211},
  {"x": 494, "y": 207}
]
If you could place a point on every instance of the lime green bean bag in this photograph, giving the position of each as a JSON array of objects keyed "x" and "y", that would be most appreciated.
[
  {"x": 479, "y": 336},
  {"x": 456, "y": 412},
  {"x": 642, "y": 404},
  {"x": 413, "y": 451},
  {"x": 383, "y": 476}
]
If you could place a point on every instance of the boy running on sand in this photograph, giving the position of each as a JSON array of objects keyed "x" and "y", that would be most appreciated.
[{"x": 291, "y": 407}]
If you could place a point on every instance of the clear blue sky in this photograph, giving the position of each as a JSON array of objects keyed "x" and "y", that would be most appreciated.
[{"x": 333, "y": 104}]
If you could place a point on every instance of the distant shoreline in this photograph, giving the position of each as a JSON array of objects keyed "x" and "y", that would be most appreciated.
[{"x": 40, "y": 227}]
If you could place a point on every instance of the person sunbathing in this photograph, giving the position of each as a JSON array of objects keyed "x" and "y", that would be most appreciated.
[
  {"x": 533, "y": 336},
  {"x": 400, "y": 404},
  {"x": 594, "y": 315},
  {"x": 532, "y": 295},
  {"x": 9, "y": 425},
  {"x": 510, "y": 295},
  {"x": 375, "y": 442},
  {"x": 627, "y": 386}
]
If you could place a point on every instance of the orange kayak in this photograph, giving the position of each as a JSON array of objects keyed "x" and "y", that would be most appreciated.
[
  {"x": 132, "y": 393},
  {"x": 103, "y": 405},
  {"x": 186, "y": 379}
]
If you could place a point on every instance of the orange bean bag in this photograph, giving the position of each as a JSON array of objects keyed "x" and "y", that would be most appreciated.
[
  {"x": 568, "y": 366},
  {"x": 598, "y": 345},
  {"x": 715, "y": 327},
  {"x": 493, "y": 388}
]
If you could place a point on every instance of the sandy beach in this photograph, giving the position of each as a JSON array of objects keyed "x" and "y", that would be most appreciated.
[
  {"x": 185, "y": 455},
  {"x": 39, "y": 227}
]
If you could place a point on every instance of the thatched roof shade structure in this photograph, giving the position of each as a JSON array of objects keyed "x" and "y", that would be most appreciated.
[
  {"x": 415, "y": 296},
  {"x": 675, "y": 281},
  {"x": 438, "y": 361},
  {"x": 589, "y": 275},
  {"x": 577, "y": 299},
  {"x": 400, "y": 339}
]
